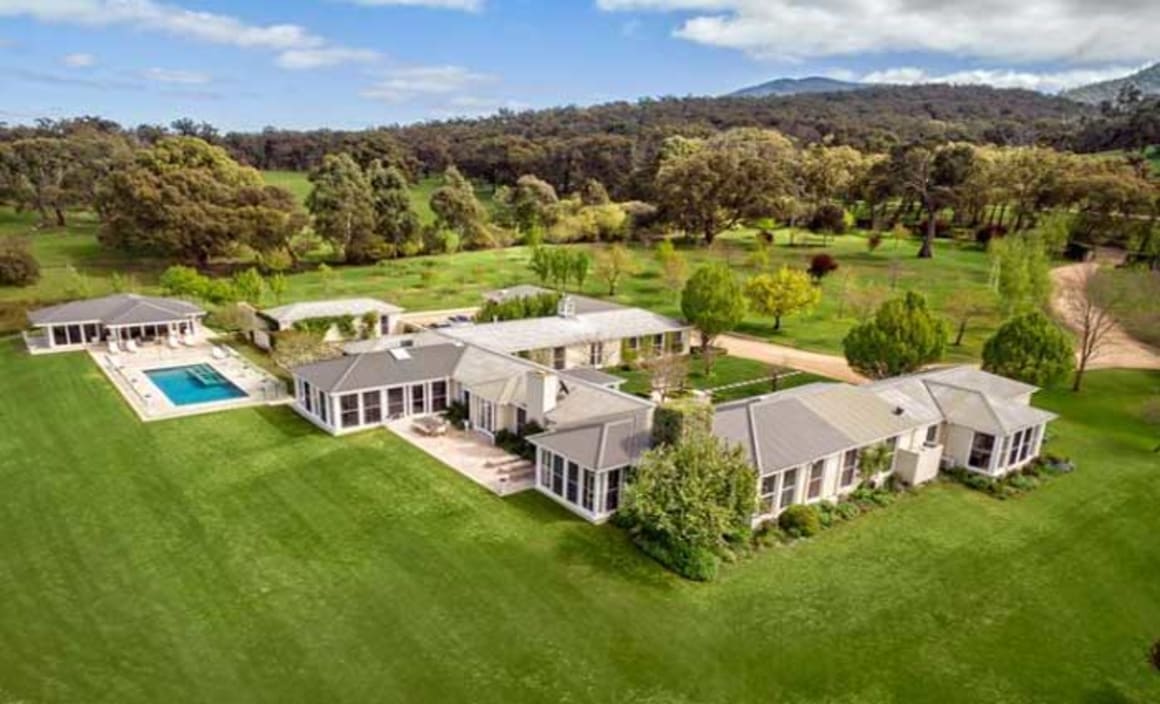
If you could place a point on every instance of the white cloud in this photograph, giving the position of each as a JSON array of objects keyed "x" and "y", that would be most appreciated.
[
  {"x": 1046, "y": 82},
  {"x": 465, "y": 5},
  {"x": 177, "y": 21},
  {"x": 325, "y": 56},
  {"x": 1031, "y": 30},
  {"x": 165, "y": 75},
  {"x": 78, "y": 60},
  {"x": 407, "y": 83}
]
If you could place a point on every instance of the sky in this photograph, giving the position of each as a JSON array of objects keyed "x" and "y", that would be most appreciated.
[{"x": 350, "y": 64}]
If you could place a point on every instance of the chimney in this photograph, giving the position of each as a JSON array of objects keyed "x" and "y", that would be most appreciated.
[
  {"x": 543, "y": 390},
  {"x": 566, "y": 308}
]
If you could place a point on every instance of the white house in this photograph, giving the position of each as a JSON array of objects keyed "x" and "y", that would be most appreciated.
[{"x": 357, "y": 311}]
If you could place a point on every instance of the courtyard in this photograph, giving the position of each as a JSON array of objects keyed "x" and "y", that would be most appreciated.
[{"x": 244, "y": 556}]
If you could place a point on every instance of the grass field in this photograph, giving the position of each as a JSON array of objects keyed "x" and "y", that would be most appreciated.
[
  {"x": 245, "y": 557},
  {"x": 726, "y": 371}
]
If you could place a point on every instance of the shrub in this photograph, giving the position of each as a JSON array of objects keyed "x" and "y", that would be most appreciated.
[
  {"x": 231, "y": 318},
  {"x": 800, "y": 520},
  {"x": 18, "y": 267},
  {"x": 829, "y": 218},
  {"x": 1154, "y": 655},
  {"x": 697, "y": 564},
  {"x": 456, "y": 413},
  {"x": 874, "y": 241},
  {"x": 847, "y": 510},
  {"x": 677, "y": 420},
  {"x": 821, "y": 265},
  {"x": 986, "y": 233}
]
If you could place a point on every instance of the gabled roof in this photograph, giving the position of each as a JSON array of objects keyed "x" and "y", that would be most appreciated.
[
  {"x": 294, "y": 312},
  {"x": 378, "y": 369},
  {"x": 992, "y": 385},
  {"x": 118, "y": 309},
  {"x": 974, "y": 410},
  {"x": 802, "y": 424}
]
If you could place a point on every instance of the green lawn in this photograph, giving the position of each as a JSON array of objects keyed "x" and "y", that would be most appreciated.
[
  {"x": 727, "y": 370},
  {"x": 245, "y": 557},
  {"x": 458, "y": 280}
]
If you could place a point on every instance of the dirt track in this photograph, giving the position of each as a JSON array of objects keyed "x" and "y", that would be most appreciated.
[
  {"x": 830, "y": 365},
  {"x": 1119, "y": 350}
]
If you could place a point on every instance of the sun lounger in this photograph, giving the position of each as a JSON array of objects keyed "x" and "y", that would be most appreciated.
[
  {"x": 218, "y": 352},
  {"x": 131, "y": 346},
  {"x": 114, "y": 348},
  {"x": 187, "y": 340},
  {"x": 172, "y": 342}
]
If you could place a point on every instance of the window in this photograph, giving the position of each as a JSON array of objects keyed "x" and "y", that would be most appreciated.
[
  {"x": 559, "y": 357},
  {"x": 307, "y": 397},
  {"x": 612, "y": 497},
  {"x": 817, "y": 473},
  {"x": 418, "y": 399},
  {"x": 892, "y": 443},
  {"x": 849, "y": 467},
  {"x": 521, "y": 419},
  {"x": 385, "y": 325},
  {"x": 788, "y": 488},
  {"x": 557, "y": 475},
  {"x": 573, "y": 487},
  {"x": 486, "y": 415},
  {"x": 633, "y": 343},
  {"x": 59, "y": 335},
  {"x": 981, "y": 448},
  {"x": 659, "y": 343},
  {"x": 1025, "y": 448},
  {"x": 396, "y": 404},
  {"x": 932, "y": 435},
  {"x": 768, "y": 491},
  {"x": 372, "y": 407},
  {"x": 323, "y": 407},
  {"x": 588, "y": 497},
  {"x": 545, "y": 469},
  {"x": 1011, "y": 448},
  {"x": 596, "y": 354},
  {"x": 438, "y": 396},
  {"x": 91, "y": 333},
  {"x": 348, "y": 404}
]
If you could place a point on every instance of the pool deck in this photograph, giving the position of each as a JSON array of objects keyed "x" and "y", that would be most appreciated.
[{"x": 127, "y": 370}]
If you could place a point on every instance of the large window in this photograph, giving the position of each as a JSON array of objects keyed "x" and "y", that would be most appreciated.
[
  {"x": 788, "y": 488},
  {"x": 418, "y": 399},
  {"x": 438, "y": 396},
  {"x": 486, "y": 415},
  {"x": 396, "y": 403},
  {"x": 307, "y": 397},
  {"x": 932, "y": 435},
  {"x": 588, "y": 497},
  {"x": 1026, "y": 446},
  {"x": 372, "y": 407},
  {"x": 596, "y": 354},
  {"x": 348, "y": 404},
  {"x": 982, "y": 447},
  {"x": 573, "y": 488},
  {"x": 768, "y": 492},
  {"x": 324, "y": 407},
  {"x": 849, "y": 468},
  {"x": 1011, "y": 448},
  {"x": 817, "y": 474},
  {"x": 612, "y": 496},
  {"x": 545, "y": 469},
  {"x": 557, "y": 475},
  {"x": 559, "y": 357}
]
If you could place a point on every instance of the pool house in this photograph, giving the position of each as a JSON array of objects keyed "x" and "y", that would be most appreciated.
[{"x": 121, "y": 317}]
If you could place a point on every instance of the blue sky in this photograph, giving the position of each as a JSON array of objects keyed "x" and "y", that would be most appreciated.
[{"x": 354, "y": 63}]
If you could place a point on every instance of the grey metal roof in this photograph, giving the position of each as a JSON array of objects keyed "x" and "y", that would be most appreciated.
[
  {"x": 118, "y": 309},
  {"x": 992, "y": 385},
  {"x": 606, "y": 445},
  {"x": 378, "y": 369},
  {"x": 294, "y": 312},
  {"x": 582, "y": 402},
  {"x": 806, "y": 423},
  {"x": 973, "y": 409},
  {"x": 557, "y": 331},
  {"x": 594, "y": 376}
]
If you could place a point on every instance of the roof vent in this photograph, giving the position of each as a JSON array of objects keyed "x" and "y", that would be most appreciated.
[{"x": 899, "y": 410}]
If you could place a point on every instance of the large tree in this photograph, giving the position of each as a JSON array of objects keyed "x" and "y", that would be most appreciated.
[
  {"x": 707, "y": 186},
  {"x": 458, "y": 209},
  {"x": 186, "y": 199},
  {"x": 689, "y": 501},
  {"x": 902, "y": 337},
  {"x": 932, "y": 177},
  {"x": 342, "y": 204},
  {"x": 1031, "y": 348},
  {"x": 395, "y": 221},
  {"x": 784, "y": 292},
  {"x": 714, "y": 302}
]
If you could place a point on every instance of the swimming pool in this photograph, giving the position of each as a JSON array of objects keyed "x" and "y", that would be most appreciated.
[{"x": 193, "y": 384}]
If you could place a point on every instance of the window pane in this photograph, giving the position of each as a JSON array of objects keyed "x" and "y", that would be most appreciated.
[
  {"x": 372, "y": 407},
  {"x": 981, "y": 448},
  {"x": 768, "y": 485},
  {"x": 395, "y": 403},
  {"x": 817, "y": 472},
  {"x": 557, "y": 475},
  {"x": 588, "y": 497},
  {"x": 612, "y": 498},
  {"x": 573, "y": 482}
]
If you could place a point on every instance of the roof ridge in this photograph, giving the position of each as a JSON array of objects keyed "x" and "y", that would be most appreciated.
[{"x": 350, "y": 368}]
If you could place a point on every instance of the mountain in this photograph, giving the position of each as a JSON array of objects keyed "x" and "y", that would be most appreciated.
[
  {"x": 797, "y": 86},
  {"x": 1147, "y": 80}
]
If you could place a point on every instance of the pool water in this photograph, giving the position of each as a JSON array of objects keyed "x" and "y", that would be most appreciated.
[{"x": 197, "y": 383}]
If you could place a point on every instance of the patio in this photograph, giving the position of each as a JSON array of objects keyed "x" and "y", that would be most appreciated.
[
  {"x": 472, "y": 456},
  {"x": 128, "y": 373}
]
